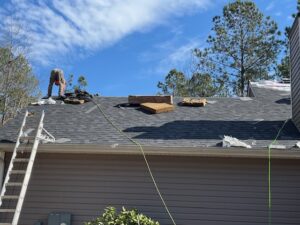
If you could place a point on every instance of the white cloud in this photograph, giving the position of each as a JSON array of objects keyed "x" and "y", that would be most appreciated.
[
  {"x": 173, "y": 55},
  {"x": 270, "y": 6},
  {"x": 181, "y": 56},
  {"x": 60, "y": 27}
]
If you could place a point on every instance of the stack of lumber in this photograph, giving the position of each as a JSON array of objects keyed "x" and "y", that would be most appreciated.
[
  {"x": 194, "y": 102},
  {"x": 157, "y": 107},
  {"x": 153, "y": 104},
  {"x": 136, "y": 100}
]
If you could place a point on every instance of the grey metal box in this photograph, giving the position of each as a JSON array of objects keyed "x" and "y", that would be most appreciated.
[{"x": 59, "y": 218}]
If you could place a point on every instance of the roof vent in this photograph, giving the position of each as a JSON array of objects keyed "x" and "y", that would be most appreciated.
[{"x": 294, "y": 37}]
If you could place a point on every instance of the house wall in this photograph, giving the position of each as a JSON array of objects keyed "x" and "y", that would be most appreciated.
[
  {"x": 294, "y": 37},
  {"x": 198, "y": 190}
]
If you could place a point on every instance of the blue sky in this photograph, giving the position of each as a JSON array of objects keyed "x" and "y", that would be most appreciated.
[{"x": 122, "y": 47}]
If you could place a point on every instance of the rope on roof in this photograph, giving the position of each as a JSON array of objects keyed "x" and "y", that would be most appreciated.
[{"x": 144, "y": 156}]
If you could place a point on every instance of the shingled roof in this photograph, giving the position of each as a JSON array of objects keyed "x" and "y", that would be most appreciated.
[{"x": 255, "y": 120}]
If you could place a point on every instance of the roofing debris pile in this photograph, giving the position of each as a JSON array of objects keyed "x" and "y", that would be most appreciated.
[
  {"x": 78, "y": 97},
  {"x": 233, "y": 142},
  {"x": 48, "y": 101}
]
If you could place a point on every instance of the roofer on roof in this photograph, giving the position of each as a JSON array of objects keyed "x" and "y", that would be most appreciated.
[{"x": 57, "y": 77}]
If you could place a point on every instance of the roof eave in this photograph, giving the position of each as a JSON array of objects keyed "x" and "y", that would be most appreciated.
[{"x": 234, "y": 152}]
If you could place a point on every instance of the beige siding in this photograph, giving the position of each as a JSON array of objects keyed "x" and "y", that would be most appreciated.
[
  {"x": 197, "y": 190},
  {"x": 295, "y": 71}
]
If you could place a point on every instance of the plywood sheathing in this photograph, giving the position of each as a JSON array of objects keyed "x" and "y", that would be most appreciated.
[
  {"x": 136, "y": 100},
  {"x": 157, "y": 107},
  {"x": 194, "y": 102}
]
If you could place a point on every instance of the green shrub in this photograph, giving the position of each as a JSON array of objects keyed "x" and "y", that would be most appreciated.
[{"x": 125, "y": 217}]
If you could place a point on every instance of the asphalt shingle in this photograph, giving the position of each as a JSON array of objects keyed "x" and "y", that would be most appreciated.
[{"x": 254, "y": 120}]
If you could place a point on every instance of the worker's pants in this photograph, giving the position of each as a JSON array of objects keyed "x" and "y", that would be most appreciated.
[{"x": 62, "y": 85}]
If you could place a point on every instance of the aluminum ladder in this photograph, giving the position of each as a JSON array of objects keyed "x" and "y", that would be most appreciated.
[{"x": 22, "y": 176}]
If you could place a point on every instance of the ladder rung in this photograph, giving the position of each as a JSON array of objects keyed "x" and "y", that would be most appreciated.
[
  {"x": 14, "y": 184},
  {"x": 21, "y": 160},
  {"x": 18, "y": 156},
  {"x": 18, "y": 171},
  {"x": 7, "y": 210},
  {"x": 10, "y": 197}
]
